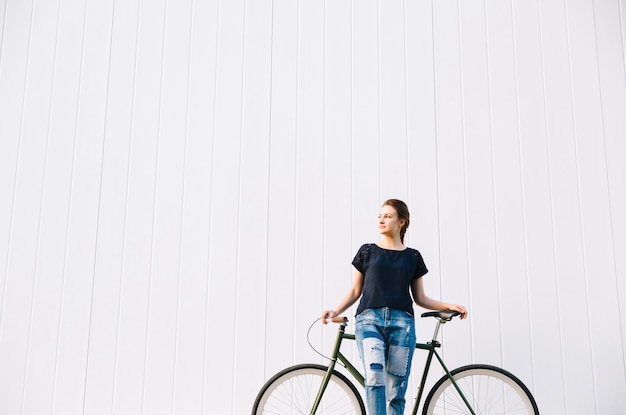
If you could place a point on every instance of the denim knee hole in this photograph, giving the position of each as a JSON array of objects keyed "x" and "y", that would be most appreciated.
[{"x": 374, "y": 361}]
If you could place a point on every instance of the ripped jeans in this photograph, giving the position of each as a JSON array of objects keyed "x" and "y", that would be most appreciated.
[{"x": 386, "y": 342}]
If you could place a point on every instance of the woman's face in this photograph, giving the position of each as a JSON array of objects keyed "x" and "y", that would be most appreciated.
[{"x": 388, "y": 222}]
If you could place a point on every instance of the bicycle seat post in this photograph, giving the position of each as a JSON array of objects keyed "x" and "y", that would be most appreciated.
[{"x": 440, "y": 321}]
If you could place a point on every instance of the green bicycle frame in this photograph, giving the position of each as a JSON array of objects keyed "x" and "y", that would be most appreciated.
[{"x": 430, "y": 347}]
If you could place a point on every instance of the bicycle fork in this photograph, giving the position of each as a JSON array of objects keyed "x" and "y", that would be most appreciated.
[
  {"x": 336, "y": 355},
  {"x": 331, "y": 367}
]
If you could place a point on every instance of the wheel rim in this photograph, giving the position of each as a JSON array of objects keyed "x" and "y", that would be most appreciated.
[
  {"x": 489, "y": 392},
  {"x": 295, "y": 393}
]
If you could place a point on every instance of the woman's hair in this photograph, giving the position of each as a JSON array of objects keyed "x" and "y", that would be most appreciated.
[{"x": 403, "y": 213}]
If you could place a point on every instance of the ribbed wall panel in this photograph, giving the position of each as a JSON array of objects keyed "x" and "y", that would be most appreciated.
[{"x": 183, "y": 186}]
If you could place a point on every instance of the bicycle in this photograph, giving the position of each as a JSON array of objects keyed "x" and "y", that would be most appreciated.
[{"x": 475, "y": 389}]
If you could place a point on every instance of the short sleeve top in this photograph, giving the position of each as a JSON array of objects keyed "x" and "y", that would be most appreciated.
[{"x": 387, "y": 276}]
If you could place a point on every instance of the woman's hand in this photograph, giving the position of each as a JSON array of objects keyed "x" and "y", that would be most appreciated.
[
  {"x": 460, "y": 309},
  {"x": 326, "y": 314}
]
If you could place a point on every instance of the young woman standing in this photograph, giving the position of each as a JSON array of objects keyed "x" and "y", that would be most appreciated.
[{"x": 384, "y": 273}]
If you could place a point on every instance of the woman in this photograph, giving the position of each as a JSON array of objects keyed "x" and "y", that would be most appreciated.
[{"x": 384, "y": 273}]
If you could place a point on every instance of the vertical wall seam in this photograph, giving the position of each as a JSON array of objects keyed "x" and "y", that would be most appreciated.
[
  {"x": 269, "y": 177},
  {"x": 95, "y": 248},
  {"x": 494, "y": 195},
  {"x": 622, "y": 38},
  {"x": 352, "y": 150},
  {"x": 17, "y": 171},
  {"x": 465, "y": 175},
  {"x": 607, "y": 178},
  {"x": 324, "y": 138},
  {"x": 406, "y": 104},
  {"x": 351, "y": 43},
  {"x": 406, "y": 121},
  {"x": 205, "y": 357},
  {"x": 580, "y": 207},
  {"x": 296, "y": 180},
  {"x": 9, "y": 238},
  {"x": 69, "y": 209},
  {"x": 552, "y": 209},
  {"x": 378, "y": 106},
  {"x": 126, "y": 198},
  {"x": 436, "y": 136},
  {"x": 155, "y": 190},
  {"x": 621, "y": 27},
  {"x": 323, "y": 298},
  {"x": 41, "y": 210},
  {"x": 237, "y": 270},
  {"x": 17, "y": 158},
  {"x": 3, "y": 35},
  {"x": 182, "y": 205},
  {"x": 522, "y": 192},
  {"x": 437, "y": 167},
  {"x": 619, "y": 305}
]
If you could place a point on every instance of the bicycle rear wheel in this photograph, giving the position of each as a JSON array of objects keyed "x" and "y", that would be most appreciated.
[
  {"x": 293, "y": 391},
  {"x": 489, "y": 390}
]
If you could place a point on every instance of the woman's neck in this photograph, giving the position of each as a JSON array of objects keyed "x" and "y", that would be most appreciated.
[{"x": 389, "y": 242}]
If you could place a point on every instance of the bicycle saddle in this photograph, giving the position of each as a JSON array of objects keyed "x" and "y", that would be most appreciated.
[{"x": 445, "y": 315}]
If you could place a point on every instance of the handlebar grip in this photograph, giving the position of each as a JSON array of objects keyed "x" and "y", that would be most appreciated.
[{"x": 338, "y": 319}]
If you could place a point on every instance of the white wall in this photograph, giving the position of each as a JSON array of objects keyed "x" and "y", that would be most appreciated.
[{"x": 183, "y": 186}]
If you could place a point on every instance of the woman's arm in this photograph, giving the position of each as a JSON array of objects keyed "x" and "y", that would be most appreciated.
[
  {"x": 353, "y": 294},
  {"x": 422, "y": 300}
]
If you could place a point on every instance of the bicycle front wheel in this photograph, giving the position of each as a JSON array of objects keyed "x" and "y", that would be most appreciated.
[
  {"x": 293, "y": 391},
  {"x": 489, "y": 390}
]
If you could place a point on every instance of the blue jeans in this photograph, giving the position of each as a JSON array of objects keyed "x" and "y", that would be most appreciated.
[{"x": 386, "y": 342}]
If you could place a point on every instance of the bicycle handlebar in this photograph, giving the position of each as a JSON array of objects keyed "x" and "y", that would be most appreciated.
[
  {"x": 337, "y": 319},
  {"x": 446, "y": 315}
]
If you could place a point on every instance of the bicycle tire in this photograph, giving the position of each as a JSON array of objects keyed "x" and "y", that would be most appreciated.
[
  {"x": 489, "y": 389},
  {"x": 294, "y": 389}
]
